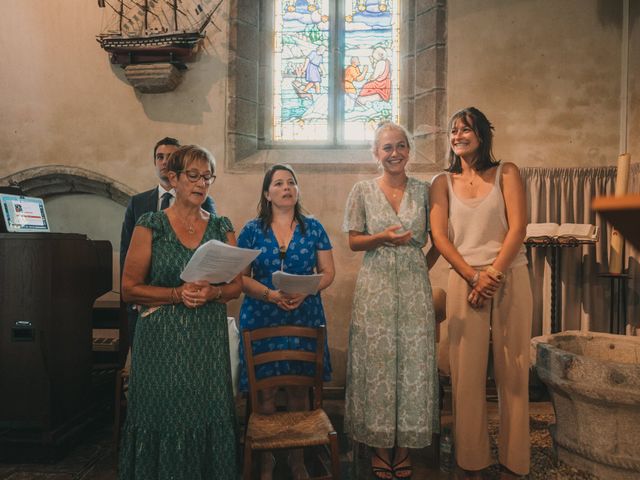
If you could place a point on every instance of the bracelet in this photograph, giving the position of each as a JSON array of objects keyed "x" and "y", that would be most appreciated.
[
  {"x": 175, "y": 298},
  {"x": 474, "y": 281},
  {"x": 219, "y": 295},
  {"x": 495, "y": 274},
  {"x": 265, "y": 295}
]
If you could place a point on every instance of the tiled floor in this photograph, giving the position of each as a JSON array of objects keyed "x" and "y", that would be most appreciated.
[{"x": 95, "y": 459}]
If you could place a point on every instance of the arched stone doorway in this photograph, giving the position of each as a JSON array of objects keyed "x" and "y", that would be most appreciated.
[{"x": 52, "y": 180}]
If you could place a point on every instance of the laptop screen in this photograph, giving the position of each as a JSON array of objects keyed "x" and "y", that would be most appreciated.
[{"x": 23, "y": 214}]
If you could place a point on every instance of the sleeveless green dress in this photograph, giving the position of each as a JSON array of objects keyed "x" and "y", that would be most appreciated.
[{"x": 180, "y": 419}]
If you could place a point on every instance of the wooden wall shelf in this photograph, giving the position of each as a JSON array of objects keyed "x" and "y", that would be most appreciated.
[{"x": 623, "y": 213}]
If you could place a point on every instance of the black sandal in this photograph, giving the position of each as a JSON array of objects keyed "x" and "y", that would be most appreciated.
[
  {"x": 378, "y": 472},
  {"x": 407, "y": 468}
]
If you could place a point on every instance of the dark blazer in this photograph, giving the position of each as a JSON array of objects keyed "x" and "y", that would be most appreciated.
[{"x": 142, "y": 203}]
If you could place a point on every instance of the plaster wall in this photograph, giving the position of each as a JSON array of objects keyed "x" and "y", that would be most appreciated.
[{"x": 546, "y": 73}]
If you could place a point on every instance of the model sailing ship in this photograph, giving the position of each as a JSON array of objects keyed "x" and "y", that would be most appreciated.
[{"x": 152, "y": 31}]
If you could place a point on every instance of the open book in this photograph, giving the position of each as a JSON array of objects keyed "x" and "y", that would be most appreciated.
[{"x": 552, "y": 232}]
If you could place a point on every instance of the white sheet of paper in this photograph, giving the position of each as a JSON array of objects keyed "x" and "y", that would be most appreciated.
[
  {"x": 217, "y": 262},
  {"x": 290, "y": 283}
]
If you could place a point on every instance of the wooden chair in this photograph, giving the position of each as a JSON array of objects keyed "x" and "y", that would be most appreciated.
[{"x": 287, "y": 430}]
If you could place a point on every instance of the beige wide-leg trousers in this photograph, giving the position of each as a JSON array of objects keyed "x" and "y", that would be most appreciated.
[{"x": 507, "y": 318}]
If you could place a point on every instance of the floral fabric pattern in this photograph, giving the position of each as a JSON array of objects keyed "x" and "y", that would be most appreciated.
[
  {"x": 180, "y": 418},
  {"x": 300, "y": 259},
  {"x": 392, "y": 383}
]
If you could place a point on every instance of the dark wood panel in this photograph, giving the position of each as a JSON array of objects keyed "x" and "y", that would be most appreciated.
[{"x": 48, "y": 284}]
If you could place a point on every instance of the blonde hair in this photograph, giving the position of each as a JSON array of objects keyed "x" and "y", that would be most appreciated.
[{"x": 383, "y": 126}]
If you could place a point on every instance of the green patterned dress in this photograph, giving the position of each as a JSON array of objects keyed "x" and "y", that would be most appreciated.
[
  {"x": 392, "y": 383},
  {"x": 180, "y": 418}
]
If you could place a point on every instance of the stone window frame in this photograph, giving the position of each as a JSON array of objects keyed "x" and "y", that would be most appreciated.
[{"x": 423, "y": 106}]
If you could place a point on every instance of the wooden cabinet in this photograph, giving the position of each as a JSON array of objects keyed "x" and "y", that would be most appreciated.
[{"x": 48, "y": 284}]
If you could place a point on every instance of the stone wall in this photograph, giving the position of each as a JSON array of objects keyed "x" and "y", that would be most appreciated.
[{"x": 547, "y": 74}]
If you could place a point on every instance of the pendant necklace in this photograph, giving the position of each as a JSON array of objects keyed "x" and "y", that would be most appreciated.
[
  {"x": 190, "y": 227},
  {"x": 283, "y": 255},
  {"x": 394, "y": 192},
  {"x": 282, "y": 247}
]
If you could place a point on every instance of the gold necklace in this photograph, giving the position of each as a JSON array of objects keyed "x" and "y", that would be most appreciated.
[
  {"x": 395, "y": 191},
  {"x": 191, "y": 229}
]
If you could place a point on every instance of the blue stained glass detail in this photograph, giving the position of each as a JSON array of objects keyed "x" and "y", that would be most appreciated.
[
  {"x": 371, "y": 61},
  {"x": 368, "y": 75},
  {"x": 301, "y": 85}
]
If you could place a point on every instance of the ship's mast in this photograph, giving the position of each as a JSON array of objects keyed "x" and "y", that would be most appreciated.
[
  {"x": 146, "y": 10},
  {"x": 208, "y": 18},
  {"x": 175, "y": 14},
  {"x": 121, "y": 15}
]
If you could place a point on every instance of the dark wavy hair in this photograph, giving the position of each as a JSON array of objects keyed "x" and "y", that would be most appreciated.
[
  {"x": 478, "y": 122},
  {"x": 165, "y": 141},
  {"x": 265, "y": 215}
]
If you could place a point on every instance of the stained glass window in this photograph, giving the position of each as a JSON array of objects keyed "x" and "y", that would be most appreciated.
[{"x": 333, "y": 82}]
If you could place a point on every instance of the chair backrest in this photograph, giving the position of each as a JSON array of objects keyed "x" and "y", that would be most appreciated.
[{"x": 254, "y": 360}]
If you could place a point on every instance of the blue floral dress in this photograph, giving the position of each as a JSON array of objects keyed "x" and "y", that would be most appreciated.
[{"x": 300, "y": 259}]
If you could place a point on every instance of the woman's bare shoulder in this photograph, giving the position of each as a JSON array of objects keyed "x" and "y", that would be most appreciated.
[{"x": 510, "y": 168}]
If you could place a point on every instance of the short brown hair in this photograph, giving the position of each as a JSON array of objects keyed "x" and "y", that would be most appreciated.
[{"x": 187, "y": 154}]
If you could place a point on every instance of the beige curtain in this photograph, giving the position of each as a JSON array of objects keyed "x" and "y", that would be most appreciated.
[{"x": 564, "y": 195}]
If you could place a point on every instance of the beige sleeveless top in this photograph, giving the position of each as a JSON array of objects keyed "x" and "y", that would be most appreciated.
[{"x": 477, "y": 226}]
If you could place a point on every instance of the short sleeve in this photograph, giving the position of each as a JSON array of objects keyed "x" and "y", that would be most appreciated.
[
  {"x": 246, "y": 238},
  {"x": 319, "y": 234},
  {"x": 355, "y": 216},
  {"x": 225, "y": 225},
  {"x": 152, "y": 220}
]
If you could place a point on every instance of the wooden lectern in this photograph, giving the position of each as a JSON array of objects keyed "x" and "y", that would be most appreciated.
[{"x": 48, "y": 284}]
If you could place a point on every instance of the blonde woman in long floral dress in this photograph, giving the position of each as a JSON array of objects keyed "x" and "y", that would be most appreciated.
[{"x": 392, "y": 384}]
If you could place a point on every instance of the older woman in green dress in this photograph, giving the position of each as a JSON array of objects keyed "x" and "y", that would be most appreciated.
[
  {"x": 391, "y": 398},
  {"x": 180, "y": 421}
]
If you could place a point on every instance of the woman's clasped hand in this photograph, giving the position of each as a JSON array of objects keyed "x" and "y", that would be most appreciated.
[
  {"x": 485, "y": 288},
  {"x": 195, "y": 294}
]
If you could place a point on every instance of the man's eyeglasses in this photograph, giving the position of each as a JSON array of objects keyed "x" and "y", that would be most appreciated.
[{"x": 193, "y": 176}]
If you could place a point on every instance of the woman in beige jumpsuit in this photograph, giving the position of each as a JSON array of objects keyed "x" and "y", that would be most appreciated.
[{"x": 478, "y": 221}]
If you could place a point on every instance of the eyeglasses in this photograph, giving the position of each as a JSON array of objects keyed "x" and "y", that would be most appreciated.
[{"x": 194, "y": 176}]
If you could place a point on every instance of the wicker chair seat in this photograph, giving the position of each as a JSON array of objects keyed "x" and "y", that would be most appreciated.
[{"x": 289, "y": 430}]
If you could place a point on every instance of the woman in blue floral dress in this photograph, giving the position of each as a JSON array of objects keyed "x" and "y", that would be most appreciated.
[{"x": 296, "y": 244}]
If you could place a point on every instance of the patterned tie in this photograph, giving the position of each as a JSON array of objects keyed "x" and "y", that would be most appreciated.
[{"x": 165, "y": 200}]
